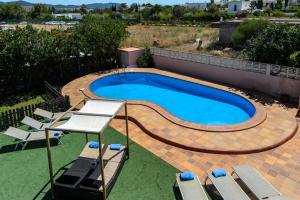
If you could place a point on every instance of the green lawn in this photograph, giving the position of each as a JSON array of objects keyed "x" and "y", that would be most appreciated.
[
  {"x": 25, "y": 173},
  {"x": 4, "y": 106}
]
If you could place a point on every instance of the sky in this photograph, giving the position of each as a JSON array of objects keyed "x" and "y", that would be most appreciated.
[{"x": 79, "y": 2}]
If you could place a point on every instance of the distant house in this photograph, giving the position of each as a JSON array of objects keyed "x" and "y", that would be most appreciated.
[
  {"x": 197, "y": 6},
  {"x": 75, "y": 16},
  {"x": 238, "y": 6}
]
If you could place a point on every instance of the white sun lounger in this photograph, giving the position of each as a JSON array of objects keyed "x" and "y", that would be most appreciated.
[
  {"x": 228, "y": 188},
  {"x": 192, "y": 189},
  {"x": 50, "y": 115},
  {"x": 257, "y": 184},
  {"x": 35, "y": 123},
  {"x": 24, "y": 137}
]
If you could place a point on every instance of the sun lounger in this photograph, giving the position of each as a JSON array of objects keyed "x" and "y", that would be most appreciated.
[
  {"x": 192, "y": 189},
  {"x": 34, "y": 123},
  {"x": 50, "y": 115},
  {"x": 24, "y": 137},
  {"x": 257, "y": 184},
  {"x": 228, "y": 188},
  {"x": 82, "y": 181}
]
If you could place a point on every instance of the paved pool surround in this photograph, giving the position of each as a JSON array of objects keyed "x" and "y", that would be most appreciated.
[{"x": 268, "y": 129}]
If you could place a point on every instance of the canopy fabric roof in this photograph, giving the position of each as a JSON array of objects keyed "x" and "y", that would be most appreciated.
[
  {"x": 102, "y": 107},
  {"x": 93, "y": 117},
  {"x": 85, "y": 123}
]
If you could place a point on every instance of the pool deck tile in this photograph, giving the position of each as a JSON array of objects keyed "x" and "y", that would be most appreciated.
[{"x": 280, "y": 165}]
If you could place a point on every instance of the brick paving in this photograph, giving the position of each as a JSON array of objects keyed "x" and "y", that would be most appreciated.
[{"x": 281, "y": 165}]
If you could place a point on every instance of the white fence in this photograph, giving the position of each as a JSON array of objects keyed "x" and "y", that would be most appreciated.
[{"x": 262, "y": 68}]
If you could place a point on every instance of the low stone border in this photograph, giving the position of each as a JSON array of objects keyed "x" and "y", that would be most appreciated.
[{"x": 207, "y": 150}]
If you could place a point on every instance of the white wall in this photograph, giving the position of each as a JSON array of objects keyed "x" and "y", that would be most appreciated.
[{"x": 272, "y": 85}]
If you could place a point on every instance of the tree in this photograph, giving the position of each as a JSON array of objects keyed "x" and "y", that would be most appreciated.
[
  {"x": 252, "y": 5},
  {"x": 134, "y": 7},
  {"x": 286, "y": 3},
  {"x": 178, "y": 11},
  {"x": 246, "y": 30},
  {"x": 213, "y": 8},
  {"x": 11, "y": 11},
  {"x": 123, "y": 7},
  {"x": 278, "y": 4},
  {"x": 274, "y": 44},
  {"x": 259, "y": 4},
  {"x": 38, "y": 11},
  {"x": 102, "y": 36},
  {"x": 83, "y": 9}
]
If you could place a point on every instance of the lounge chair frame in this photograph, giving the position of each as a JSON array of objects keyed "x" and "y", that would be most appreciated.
[
  {"x": 261, "y": 187},
  {"x": 99, "y": 133},
  {"x": 238, "y": 192},
  {"x": 200, "y": 186},
  {"x": 23, "y": 141}
]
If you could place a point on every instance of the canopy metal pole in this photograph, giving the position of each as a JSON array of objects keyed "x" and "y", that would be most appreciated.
[
  {"x": 86, "y": 138},
  {"x": 101, "y": 168},
  {"x": 127, "y": 132},
  {"x": 50, "y": 162}
]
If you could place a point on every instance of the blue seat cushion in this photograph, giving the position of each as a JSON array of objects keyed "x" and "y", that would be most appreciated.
[
  {"x": 115, "y": 147},
  {"x": 58, "y": 133},
  {"x": 219, "y": 173},
  {"x": 94, "y": 145},
  {"x": 186, "y": 176}
]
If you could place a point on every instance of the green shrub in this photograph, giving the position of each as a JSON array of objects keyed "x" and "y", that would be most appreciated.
[
  {"x": 246, "y": 30},
  {"x": 298, "y": 13},
  {"x": 274, "y": 44},
  {"x": 257, "y": 13},
  {"x": 145, "y": 60},
  {"x": 295, "y": 59},
  {"x": 277, "y": 13},
  {"x": 268, "y": 12},
  {"x": 227, "y": 15}
]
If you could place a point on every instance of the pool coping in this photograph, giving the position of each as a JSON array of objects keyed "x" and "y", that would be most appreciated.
[{"x": 258, "y": 118}]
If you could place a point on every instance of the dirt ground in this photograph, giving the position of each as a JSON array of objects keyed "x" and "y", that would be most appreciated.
[{"x": 179, "y": 38}]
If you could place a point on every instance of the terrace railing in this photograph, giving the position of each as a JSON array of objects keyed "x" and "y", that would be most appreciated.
[{"x": 238, "y": 64}]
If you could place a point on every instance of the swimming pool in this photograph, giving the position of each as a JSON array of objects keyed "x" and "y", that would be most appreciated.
[{"x": 188, "y": 101}]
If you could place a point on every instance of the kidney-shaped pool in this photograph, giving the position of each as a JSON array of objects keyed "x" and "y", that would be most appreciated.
[{"x": 186, "y": 100}]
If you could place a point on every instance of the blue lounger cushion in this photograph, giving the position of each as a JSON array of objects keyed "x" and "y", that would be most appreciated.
[
  {"x": 58, "y": 134},
  {"x": 219, "y": 173},
  {"x": 94, "y": 145},
  {"x": 187, "y": 176},
  {"x": 115, "y": 147}
]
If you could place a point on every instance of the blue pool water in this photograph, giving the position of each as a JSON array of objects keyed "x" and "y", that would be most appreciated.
[{"x": 186, "y": 100}]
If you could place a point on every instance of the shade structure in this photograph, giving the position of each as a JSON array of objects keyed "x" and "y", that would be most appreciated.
[
  {"x": 92, "y": 124},
  {"x": 101, "y": 107},
  {"x": 92, "y": 118}
]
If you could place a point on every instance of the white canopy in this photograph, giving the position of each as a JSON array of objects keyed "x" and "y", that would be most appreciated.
[
  {"x": 102, "y": 107},
  {"x": 93, "y": 117},
  {"x": 85, "y": 123}
]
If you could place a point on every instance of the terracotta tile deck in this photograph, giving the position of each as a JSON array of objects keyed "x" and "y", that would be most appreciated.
[{"x": 280, "y": 165}]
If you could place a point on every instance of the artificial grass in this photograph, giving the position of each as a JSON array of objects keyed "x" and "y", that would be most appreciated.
[{"x": 25, "y": 173}]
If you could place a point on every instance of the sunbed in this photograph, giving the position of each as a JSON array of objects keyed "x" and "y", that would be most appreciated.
[
  {"x": 23, "y": 137},
  {"x": 35, "y": 123},
  {"x": 257, "y": 184},
  {"x": 50, "y": 115},
  {"x": 227, "y": 187},
  {"x": 191, "y": 189},
  {"x": 82, "y": 181}
]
